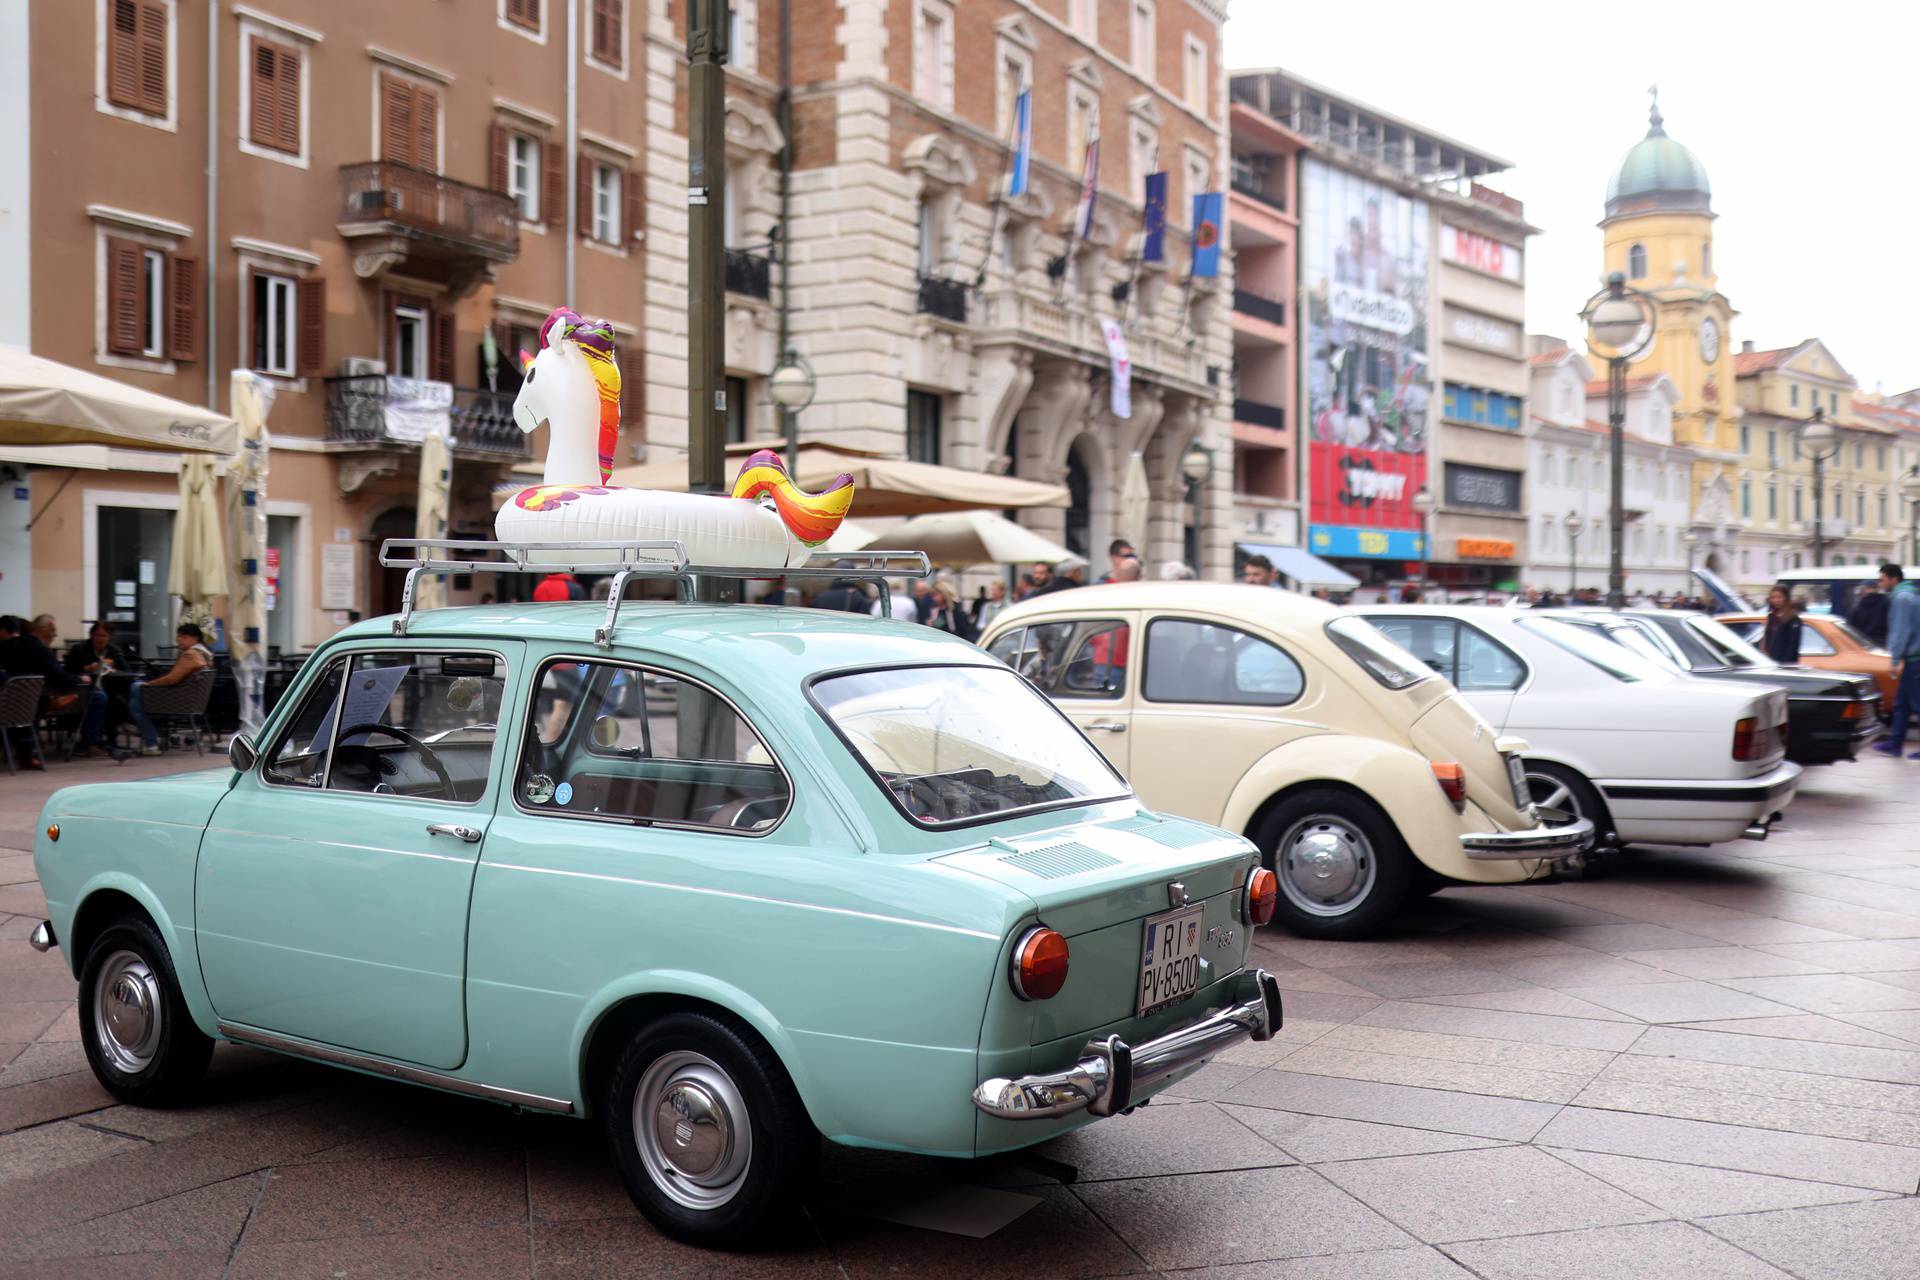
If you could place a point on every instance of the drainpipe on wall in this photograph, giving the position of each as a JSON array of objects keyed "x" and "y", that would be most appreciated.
[
  {"x": 572, "y": 183},
  {"x": 212, "y": 256}
]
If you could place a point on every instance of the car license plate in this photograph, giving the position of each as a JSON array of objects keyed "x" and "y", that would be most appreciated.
[
  {"x": 1517, "y": 777},
  {"x": 1170, "y": 958}
]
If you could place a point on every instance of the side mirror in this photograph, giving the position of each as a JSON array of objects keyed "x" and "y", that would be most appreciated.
[
  {"x": 241, "y": 753},
  {"x": 606, "y": 732}
]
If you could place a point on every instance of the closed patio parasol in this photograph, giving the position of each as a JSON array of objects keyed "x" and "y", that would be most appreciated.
[{"x": 198, "y": 570}]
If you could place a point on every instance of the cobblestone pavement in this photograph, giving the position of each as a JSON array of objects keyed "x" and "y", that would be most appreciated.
[{"x": 1702, "y": 1064}]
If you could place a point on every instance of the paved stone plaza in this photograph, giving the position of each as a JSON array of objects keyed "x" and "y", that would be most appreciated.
[{"x": 1700, "y": 1064}]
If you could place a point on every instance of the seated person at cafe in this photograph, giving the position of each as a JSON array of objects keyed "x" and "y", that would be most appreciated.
[
  {"x": 97, "y": 654},
  {"x": 30, "y": 653},
  {"x": 194, "y": 658}
]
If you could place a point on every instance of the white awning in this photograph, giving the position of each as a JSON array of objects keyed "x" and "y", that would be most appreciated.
[{"x": 44, "y": 402}]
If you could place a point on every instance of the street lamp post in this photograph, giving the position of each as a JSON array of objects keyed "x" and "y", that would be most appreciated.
[
  {"x": 1619, "y": 327},
  {"x": 1423, "y": 505},
  {"x": 1574, "y": 525},
  {"x": 1910, "y": 490},
  {"x": 1821, "y": 442},
  {"x": 1196, "y": 464}
]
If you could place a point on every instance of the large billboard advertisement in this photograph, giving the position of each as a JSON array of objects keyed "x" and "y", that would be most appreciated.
[{"x": 1369, "y": 382}]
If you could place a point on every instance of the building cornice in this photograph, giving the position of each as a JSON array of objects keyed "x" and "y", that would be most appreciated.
[
  {"x": 412, "y": 66},
  {"x": 139, "y": 221},
  {"x": 306, "y": 35}
]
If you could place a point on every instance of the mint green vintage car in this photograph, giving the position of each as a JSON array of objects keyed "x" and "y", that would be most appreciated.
[{"x": 728, "y": 877}]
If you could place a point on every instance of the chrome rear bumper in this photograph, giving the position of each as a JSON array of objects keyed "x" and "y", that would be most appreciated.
[
  {"x": 41, "y": 939},
  {"x": 1534, "y": 842},
  {"x": 1111, "y": 1071}
]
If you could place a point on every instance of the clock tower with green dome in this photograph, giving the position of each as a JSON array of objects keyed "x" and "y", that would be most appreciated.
[{"x": 1658, "y": 232}]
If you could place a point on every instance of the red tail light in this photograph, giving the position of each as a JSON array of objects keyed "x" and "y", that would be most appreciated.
[
  {"x": 1039, "y": 964},
  {"x": 1263, "y": 895},
  {"x": 1748, "y": 742},
  {"x": 1854, "y": 711},
  {"x": 1453, "y": 781}
]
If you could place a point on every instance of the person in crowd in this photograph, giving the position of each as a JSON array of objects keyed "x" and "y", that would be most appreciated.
[
  {"x": 1117, "y": 550},
  {"x": 1031, "y": 582},
  {"x": 1046, "y": 580},
  {"x": 1125, "y": 569},
  {"x": 846, "y": 595},
  {"x": 1176, "y": 571},
  {"x": 1072, "y": 572},
  {"x": 1409, "y": 594},
  {"x": 1781, "y": 637},
  {"x": 194, "y": 658},
  {"x": 29, "y": 652},
  {"x": 988, "y": 604},
  {"x": 1869, "y": 613},
  {"x": 923, "y": 601},
  {"x": 899, "y": 603},
  {"x": 559, "y": 586},
  {"x": 946, "y": 614},
  {"x": 97, "y": 654},
  {"x": 1257, "y": 571},
  {"x": 1903, "y": 642}
]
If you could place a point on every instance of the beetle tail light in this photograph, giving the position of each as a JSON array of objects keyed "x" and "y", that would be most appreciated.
[
  {"x": 1039, "y": 964},
  {"x": 1263, "y": 895},
  {"x": 1746, "y": 739},
  {"x": 1453, "y": 781}
]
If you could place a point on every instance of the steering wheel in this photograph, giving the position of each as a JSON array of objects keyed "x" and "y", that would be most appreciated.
[{"x": 427, "y": 754}]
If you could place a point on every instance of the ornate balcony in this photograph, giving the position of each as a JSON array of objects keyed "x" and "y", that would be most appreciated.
[
  {"x": 749, "y": 274},
  {"x": 393, "y": 214},
  {"x": 363, "y": 410},
  {"x": 943, "y": 298}
]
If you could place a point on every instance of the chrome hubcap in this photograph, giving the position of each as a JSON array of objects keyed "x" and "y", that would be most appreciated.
[
  {"x": 690, "y": 1125},
  {"x": 127, "y": 1012},
  {"x": 1326, "y": 866}
]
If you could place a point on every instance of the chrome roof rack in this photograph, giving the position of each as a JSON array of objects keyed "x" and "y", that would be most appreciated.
[{"x": 624, "y": 560}]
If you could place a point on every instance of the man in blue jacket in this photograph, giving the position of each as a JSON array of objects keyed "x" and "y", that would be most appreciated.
[{"x": 1903, "y": 642}]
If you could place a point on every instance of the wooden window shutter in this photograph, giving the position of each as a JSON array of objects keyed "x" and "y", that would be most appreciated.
[
  {"x": 310, "y": 302},
  {"x": 153, "y": 57},
  {"x": 636, "y": 208},
  {"x": 426, "y": 124},
  {"x": 606, "y": 31},
  {"x": 441, "y": 358},
  {"x": 585, "y": 195},
  {"x": 499, "y": 137},
  {"x": 287, "y": 65},
  {"x": 263, "y": 102},
  {"x": 396, "y": 119},
  {"x": 123, "y": 53},
  {"x": 183, "y": 307},
  {"x": 125, "y": 306},
  {"x": 553, "y": 194},
  {"x": 391, "y": 306},
  {"x": 525, "y": 13}
]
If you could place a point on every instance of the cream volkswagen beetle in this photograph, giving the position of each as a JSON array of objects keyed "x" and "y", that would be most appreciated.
[{"x": 1363, "y": 777}]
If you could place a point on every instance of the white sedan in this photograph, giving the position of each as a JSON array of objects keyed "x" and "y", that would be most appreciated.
[{"x": 1647, "y": 754}]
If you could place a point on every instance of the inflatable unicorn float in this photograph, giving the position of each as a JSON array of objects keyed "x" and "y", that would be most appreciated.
[{"x": 573, "y": 386}]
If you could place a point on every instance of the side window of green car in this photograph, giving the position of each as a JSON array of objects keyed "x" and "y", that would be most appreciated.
[
  {"x": 299, "y": 759},
  {"x": 619, "y": 742}
]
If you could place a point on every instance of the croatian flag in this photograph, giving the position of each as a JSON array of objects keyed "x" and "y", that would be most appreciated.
[
  {"x": 1022, "y": 143},
  {"x": 1089, "y": 188},
  {"x": 1207, "y": 210},
  {"x": 1153, "y": 246}
]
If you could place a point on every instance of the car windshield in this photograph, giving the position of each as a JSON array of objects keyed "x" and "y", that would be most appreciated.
[
  {"x": 1726, "y": 646},
  {"x": 960, "y": 743},
  {"x": 1584, "y": 643},
  {"x": 1384, "y": 660}
]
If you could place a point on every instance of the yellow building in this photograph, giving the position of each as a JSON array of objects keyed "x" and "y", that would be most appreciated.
[
  {"x": 1858, "y": 511},
  {"x": 1658, "y": 232}
]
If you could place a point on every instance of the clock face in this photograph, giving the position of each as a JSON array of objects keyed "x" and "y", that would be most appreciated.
[{"x": 1709, "y": 340}]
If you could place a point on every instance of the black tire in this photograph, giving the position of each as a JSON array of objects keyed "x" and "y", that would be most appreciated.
[
  {"x": 1365, "y": 872},
  {"x": 1572, "y": 796},
  {"x": 709, "y": 1065},
  {"x": 139, "y": 1036}
]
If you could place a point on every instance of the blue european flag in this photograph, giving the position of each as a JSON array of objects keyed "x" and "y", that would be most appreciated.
[
  {"x": 1022, "y": 143},
  {"x": 1208, "y": 211},
  {"x": 1153, "y": 246}
]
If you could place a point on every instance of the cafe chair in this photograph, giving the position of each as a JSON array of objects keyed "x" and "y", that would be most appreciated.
[
  {"x": 20, "y": 709},
  {"x": 171, "y": 705}
]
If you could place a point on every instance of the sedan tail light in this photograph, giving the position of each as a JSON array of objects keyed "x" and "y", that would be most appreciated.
[
  {"x": 1453, "y": 781},
  {"x": 1748, "y": 742},
  {"x": 1854, "y": 711},
  {"x": 1263, "y": 895},
  {"x": 1039, "y": 964}
]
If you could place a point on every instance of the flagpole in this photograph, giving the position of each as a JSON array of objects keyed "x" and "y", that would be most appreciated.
[
  {"x": 1133, "y": 279},
  {"x": 1000, "y": 192},
  {"x": 1084, "y": 208}
]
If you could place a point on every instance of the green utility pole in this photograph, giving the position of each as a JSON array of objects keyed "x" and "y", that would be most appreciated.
[{"x": 706, "y": 254}]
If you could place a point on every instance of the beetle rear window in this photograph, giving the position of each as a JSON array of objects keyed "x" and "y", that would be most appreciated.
[
  {"x": 1384, "y": 660},
  {"x": 961, "y": 743}
]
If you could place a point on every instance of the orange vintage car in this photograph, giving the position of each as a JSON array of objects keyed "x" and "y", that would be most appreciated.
[{"x": 1830, "y": 644}]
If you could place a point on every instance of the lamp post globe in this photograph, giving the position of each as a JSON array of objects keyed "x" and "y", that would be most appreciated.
[
  {"x": 1424, "y": 504},
  {"x": 1910, "y": 485},
  {"x": 791, "y": 384},
  {"x": 1817, "y": 436},
  {"x": 1616, "y": 323},
  {"x": 1196, "y": 464}
]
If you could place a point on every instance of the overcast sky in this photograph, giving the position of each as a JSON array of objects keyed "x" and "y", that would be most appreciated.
[{"x": 1805, "y": 118}]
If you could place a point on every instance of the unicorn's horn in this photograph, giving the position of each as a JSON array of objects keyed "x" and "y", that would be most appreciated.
[{"x": 810, "y": 517}]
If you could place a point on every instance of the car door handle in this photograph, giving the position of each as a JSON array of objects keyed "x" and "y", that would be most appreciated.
[
  {"x": 1105, "y": 726},
  {"x": 470, "y": 834}
]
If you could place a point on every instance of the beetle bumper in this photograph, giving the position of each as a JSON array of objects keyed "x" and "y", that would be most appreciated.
[
  {"x": 41, "y": 939},
  {"x": 1534, "y": 842},
  {"x": 1110, "y": 1071}
]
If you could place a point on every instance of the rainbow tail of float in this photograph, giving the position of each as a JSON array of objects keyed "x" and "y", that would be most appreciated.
[{"x": 810, "y": 517}]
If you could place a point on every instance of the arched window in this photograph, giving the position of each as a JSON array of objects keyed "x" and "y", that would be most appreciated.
[{"x": 1637, "y": 262}]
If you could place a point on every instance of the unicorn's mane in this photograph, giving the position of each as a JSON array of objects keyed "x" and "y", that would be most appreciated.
[{"x": 595, "y": 340}]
